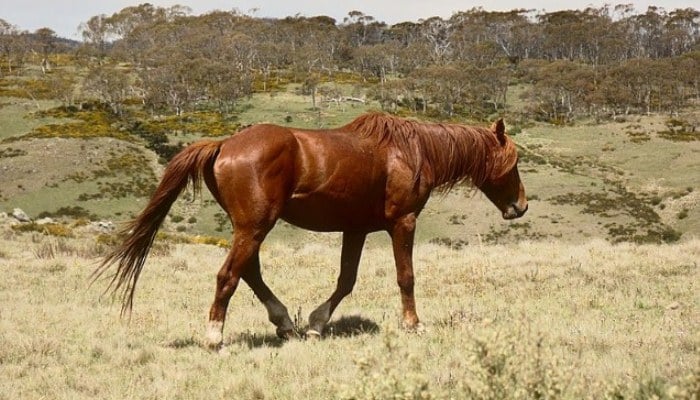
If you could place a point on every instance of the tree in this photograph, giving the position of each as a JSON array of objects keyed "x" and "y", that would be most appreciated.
[
  {"x": 561, "y": 89},
  {"x": 8, "y": 43},
  {"x": 376, "y": 61},
  {"x": 47, "y": 43},
  {"x": 95, "y": 34},
  {"x": 437, "y": 35},
  {"x": 682, "y": 30},
  {"x": 109, "y": 84},
  {"x": 360, "y": 29}
]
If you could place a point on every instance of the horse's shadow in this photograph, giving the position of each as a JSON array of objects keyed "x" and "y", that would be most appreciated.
[
  {"x": 343, "y": 327},
  {"x": 351, "y": 325}
]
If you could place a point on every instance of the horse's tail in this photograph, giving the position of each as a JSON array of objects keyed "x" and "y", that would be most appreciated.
[{"x": 188, "y": 165}]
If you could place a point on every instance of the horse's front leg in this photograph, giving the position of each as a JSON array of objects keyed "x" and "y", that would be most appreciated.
[
  {"x": 402, "y": 235},
  {"x": 349, "y": 261}
]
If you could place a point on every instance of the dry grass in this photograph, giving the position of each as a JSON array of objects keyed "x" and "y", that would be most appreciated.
[{"x": 527, "y": 320}]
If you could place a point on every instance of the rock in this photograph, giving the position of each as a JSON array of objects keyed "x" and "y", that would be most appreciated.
[
  {"x": 102, "y": 226},
  {"x": 20, "y": 215},
  {"x": 44, "y": 221}
]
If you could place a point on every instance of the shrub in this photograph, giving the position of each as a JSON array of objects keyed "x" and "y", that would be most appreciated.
[
  {"x": 10, "y": 152},
  {"x": 74, "y": 212},
  {"x": 58, "y": 230},
  {"x": 211, "y": 240},
  {"x": 48, "y": 249}
]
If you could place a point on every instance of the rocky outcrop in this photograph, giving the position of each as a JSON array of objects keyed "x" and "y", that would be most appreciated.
[{"x": 20, "y": 215}]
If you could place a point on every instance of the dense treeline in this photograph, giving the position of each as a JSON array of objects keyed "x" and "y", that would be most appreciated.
[{"x": 597, "y": 62}]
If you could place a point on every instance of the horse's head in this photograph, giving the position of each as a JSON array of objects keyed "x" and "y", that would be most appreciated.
[{"x": 503, "y": 186}]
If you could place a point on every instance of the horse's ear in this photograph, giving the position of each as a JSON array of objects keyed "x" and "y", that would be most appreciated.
[{"x": 499, "y": 128}]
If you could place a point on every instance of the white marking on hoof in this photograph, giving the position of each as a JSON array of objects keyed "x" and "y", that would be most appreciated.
[
  {"x": 215, "y": 333},
  {"x": 418, "y": 328},
  {"x": 313, "y": 334},
  {"x": 224, "y": 351}
]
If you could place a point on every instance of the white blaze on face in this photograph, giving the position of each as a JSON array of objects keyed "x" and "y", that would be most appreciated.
[{"x": 215, "y": 332}]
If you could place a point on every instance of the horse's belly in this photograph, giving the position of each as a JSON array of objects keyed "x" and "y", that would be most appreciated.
[{"x": 324, "y": 215}]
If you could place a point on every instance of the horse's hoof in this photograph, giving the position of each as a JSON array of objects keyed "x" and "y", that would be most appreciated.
[
  {"x": 313, "y": 334},
  {"x": 287, "y": 334},
  {"x": 214, "y": 335},
  {"x": 223, "y": 351},
  {"x": 215, "y": 347},
  {"x": 418, "y": 328}
]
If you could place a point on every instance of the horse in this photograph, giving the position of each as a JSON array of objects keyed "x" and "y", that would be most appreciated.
[{"x": 372, "y": 174}]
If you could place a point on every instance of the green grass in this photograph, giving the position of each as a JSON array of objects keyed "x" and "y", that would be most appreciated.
[
  {"x": 652, "y": 173},
  {"x": 15, "y": 114},
  {"x": 292, "y": 109},
  {"x": 527, "y": 320}
]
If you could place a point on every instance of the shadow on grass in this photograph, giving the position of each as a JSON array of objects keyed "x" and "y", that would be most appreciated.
[
  {"x": 343, "y": 327},
  {"x": 349, "y": 326},
  {"x": 183, "y": 343},
  {"x": 254, "y": 340},
  {"x": 248, "y": 339}
]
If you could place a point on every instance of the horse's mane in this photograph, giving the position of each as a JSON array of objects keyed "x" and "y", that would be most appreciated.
[{"x": 453, "y": 153}]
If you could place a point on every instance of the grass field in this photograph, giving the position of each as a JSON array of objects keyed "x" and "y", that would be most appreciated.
[{"x": 528, "y": 320}]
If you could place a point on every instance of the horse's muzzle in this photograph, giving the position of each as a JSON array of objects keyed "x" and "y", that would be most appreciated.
[{"x": 514, "y": 211}]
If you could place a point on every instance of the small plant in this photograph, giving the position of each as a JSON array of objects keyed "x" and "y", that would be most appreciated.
[
  {"x": 74, "y": 212},
  {"x": 49, "y": 249},
  {"x": 58, "y": 230},
  {"x": 454, "y": 244},
  {"x": 457, "y": 219},
  {"x": 221, "y": 221},
  {"x": 678, "y": 130},
  {"x": 211, "y": 240},
  {"x": 10, "y": 152}
]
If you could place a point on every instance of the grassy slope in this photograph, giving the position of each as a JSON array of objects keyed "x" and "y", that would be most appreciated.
[
  {"x": 587, "y": 320},
  {"x": 592, "y": 181}
]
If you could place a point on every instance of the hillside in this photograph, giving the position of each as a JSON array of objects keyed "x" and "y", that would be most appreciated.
[{"x": 623, "y": 181}]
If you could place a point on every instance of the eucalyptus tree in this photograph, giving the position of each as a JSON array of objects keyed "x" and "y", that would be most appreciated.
[
  {"x": 13, "y": 46},
  {"x": 46, "y": 41}
]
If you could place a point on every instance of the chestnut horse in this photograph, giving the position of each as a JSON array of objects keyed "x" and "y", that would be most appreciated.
[{"x": 375, "y": 173}]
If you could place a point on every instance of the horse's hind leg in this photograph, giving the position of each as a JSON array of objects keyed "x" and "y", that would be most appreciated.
[
  {"x": 242, "y": 257},
  {"x": 243, "y": 261},
  {"x": 349, "y": 260}
]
